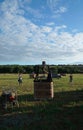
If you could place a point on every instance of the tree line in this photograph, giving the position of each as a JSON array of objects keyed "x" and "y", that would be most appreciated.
[{"x": 30, "y": 68}]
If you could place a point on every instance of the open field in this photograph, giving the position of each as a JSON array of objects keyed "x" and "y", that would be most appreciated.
[{"x": 64, "y": 112}]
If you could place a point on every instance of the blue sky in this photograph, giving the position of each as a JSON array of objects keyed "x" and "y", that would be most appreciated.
[{"x": 35, "y": 30}]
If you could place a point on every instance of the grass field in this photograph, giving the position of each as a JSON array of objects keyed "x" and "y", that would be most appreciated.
[{"x": 64, "y": 112}]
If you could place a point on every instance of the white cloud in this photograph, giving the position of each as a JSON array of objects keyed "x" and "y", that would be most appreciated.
[
  {"x": 23, "y": 41},
  {"x": 57, "y": 7},
  {"x": 61, "y": 10},
  {"x": 52, "y": 4}
]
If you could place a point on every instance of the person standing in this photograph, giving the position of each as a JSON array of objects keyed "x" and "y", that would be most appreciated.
[
  {"x": 20, "y": 79},
  {"x": 70, "y": 78}
]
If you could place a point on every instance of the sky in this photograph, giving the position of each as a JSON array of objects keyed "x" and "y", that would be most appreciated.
[{"x": 32, "y": 31}]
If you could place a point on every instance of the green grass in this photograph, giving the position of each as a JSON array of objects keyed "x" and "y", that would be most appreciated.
[{"x": 64, "y": 112}]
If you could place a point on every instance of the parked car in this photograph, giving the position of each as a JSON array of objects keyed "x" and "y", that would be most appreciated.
[
  {"x": 56, "y": 76},
  {"x": 63, "y": 74}
]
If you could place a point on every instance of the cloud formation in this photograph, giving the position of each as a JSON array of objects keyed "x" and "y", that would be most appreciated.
[
  {"x": 24, "y": 42},
  {"x": 57, "y": 7}
]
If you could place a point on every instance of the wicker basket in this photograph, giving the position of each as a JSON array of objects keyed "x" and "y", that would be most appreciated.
[{"x": 43, "y": 90}]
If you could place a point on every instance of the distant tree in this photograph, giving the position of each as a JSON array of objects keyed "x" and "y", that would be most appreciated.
[{"x": 30, "y": 68}]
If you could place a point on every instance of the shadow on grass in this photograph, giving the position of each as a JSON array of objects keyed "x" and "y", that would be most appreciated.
[
  {"x": 68, "y": 96},
  {"x": 64, "y": 112}
]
